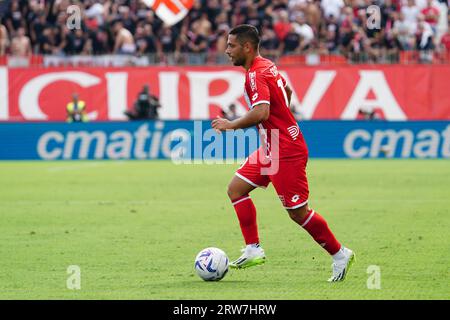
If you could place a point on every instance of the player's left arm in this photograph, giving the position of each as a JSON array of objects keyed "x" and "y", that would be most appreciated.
[
  {"x": 288, "y": 93},
  {"x": 256, "y": 115},
  {"x": 287, "y": 89}
]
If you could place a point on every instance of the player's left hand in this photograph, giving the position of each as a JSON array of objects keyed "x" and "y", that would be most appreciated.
[{"x": 220, "y": 124}]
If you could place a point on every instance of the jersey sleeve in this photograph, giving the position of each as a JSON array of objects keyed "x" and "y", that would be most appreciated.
[{"x": 259, "y": 88}]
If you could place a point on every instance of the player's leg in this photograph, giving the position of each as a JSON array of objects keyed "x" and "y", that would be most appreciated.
[
  {"x": 238, "y": 192},
  {"x": 318, "y": 228},
  {"x": 291, "y": 185},
  {"x": 247, "y": 178}
]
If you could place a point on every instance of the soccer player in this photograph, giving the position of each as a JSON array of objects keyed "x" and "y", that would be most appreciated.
[{"x": 281, "y": 159}]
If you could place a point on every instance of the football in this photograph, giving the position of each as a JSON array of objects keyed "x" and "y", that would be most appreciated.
[{"x": 211, "y": 264}]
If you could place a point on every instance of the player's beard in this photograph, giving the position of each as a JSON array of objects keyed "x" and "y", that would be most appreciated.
[{"x": 239, "y": 61}]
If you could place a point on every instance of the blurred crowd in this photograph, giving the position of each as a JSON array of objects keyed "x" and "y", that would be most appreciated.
[{"x": 374, "y": 29}]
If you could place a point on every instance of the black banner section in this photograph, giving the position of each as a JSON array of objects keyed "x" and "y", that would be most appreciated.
[{"x": 222, "y": 309}]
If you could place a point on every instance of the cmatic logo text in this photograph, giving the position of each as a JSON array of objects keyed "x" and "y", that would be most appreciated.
[
  {"x": 99, "y": 144},
  {"x": 404, "y": 143},
  {"x": 181, "y": 145}
]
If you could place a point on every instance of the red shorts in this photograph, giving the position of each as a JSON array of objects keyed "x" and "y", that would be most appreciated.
[{"x": 287, "y": 176}]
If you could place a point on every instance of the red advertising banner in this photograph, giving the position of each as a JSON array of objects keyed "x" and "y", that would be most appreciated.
[{"x": 396, "y": 92}]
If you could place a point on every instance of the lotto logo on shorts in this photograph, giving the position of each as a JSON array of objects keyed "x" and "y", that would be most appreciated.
[{"x": 295, "y": 198}]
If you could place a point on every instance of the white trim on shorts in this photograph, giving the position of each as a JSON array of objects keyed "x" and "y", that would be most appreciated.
[
  {"x": 297, "y": 205},
  {"x": 249, "y": 181}
]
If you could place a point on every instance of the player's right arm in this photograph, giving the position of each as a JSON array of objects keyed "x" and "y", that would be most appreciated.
[{"x": 256, "y": 115}]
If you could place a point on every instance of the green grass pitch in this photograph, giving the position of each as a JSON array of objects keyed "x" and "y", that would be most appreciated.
[{"x": 134, "y": 228}]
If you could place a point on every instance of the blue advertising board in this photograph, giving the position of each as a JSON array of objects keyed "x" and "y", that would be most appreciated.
[{"x": 196, "y": 140}]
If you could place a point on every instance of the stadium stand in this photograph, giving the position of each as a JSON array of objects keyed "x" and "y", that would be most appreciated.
[{"x": 293, "y": 31}]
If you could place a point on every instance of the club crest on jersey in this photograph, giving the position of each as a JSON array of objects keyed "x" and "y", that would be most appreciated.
[{"x": 252, "y": 77}]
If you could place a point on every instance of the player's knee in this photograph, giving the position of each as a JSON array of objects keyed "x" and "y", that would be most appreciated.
[
  {"x": 298, "y": 214},
  {"x": 233, "y": 192}
]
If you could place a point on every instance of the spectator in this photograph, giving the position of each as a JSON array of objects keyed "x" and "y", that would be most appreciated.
[
  {"x": 253, "y": 17},
  {"x": 404, "y": 32},
  {"x": 313, "y": 15},
  {"x": 424, "y": 40},
  {"x": 291, "y": 42},
  {"x": 20, "y": 44},
  {"x": 196, "y": 11},
  {"x": 98, "y": 41},
  {"x": 37, "y": 27},
  {"x": 146, "y": 41},
  {"x": 14, "y": 18},
  {"x": 76, "y": 42},
  {"x": 204, "y": 27},
  {"x": 331, "y": 8},
  {"x": 390, "y": 47},
  {"x": 331, "y": 41},
  {"x": 128, "y": 19},
  {"x": 214, "y": 8},
  {"x": 338, "y": 26},
  {"x": 269, "y": 43},
  {"x": 60, "y": 33},
  {"x": 305, "y": 32},
  {"x": 141, "y": 41},
  {"x": 221, "y": 40},
  {"x": 410, "y": 12},
  {"x": 346, "y": 34},
  {"x": 168, "y": 43},
  {"x": 145, "y": 107},
  {"x": 282, "y": 27},
  {"x": 4, "y": 40},
  {"x": 359, "y": 45},
  {"x": 124, "y": 41},
  {"x": 76, "y": 110},
  {"x": 431, "y": 14},
  {"x": 197, "y": 44},
  {"x": 46, "y": 41},
  {"x": 95, "y": 10}
]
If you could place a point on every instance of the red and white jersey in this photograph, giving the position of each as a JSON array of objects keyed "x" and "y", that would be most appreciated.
[{"x": 264, "y": 84}]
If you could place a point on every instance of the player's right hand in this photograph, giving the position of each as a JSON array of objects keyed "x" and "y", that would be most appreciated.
[{"x": 220, "y": 124}]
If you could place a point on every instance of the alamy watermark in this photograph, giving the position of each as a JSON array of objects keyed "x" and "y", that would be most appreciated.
[
  {"x": 208, "y": 146},
  {"x": 74, "y": 17},
  {"x": 374, "y": 19},
  {"x": 74, "y": 280},
  {"x": 374, "y": 279}
]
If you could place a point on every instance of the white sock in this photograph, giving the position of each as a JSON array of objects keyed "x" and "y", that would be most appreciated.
[
  {"x": 252, "y": 246},
  {"x": 339, "y": 255}
]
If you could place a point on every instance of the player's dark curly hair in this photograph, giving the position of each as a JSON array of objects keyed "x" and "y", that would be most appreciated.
[{"x": 246, "y": 33}]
